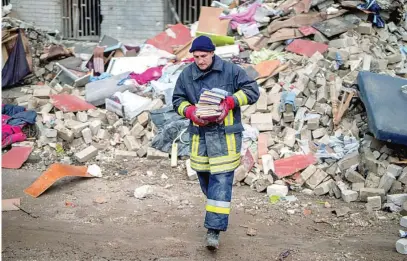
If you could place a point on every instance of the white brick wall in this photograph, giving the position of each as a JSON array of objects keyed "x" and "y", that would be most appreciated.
[
  {"x": 45, "y": 14},
  {"x": 127, "y": 20}
]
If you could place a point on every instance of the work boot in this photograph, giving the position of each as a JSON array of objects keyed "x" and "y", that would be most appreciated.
[{"x": 212, "y": 239}]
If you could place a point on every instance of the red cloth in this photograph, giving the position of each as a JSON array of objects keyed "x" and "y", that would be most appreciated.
[
  {"x": 151, "y": 74},
  {"x": 10, "y": 134}
]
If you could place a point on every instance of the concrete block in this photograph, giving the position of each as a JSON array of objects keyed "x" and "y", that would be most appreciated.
[
  {"x": 403, "y": 176},
  {"x": 77, "y": 129},
  {"x": 277, "y": 190},
  {"x": 374, "y": 203},
  {"x": 349, "y": 196},
  {"x": 86, "y": 154},
  {"x": 397, "y": 199},
  {"x": 240, "y": 174},
  {"x": 156, "y": 154},
  {"x": 64, "y": 133},
  {"x": 103, "y": 134},
  {"x": 322, "y": 94},
  {"x": 261, "y": 104},
  {"x": 123, "y": 131},
  {"x": 111, "y": 117},
  {"x": 155, "y": 105},
  {"x": 42, "y": 92},
  {"x": 192, "y": 175},
  {"x": 372, "y": 180},
  {"x": 365, "y": 28},
  {"x": 354, "y": 177},
  {"x": 401, "y": 246},
  {"x": 59, "y": 115},
  {"x": 371, "y": 192},
  {"x": 289, "y": 137},
  {"x": 318, "y": 133},
  {"x": 131, "y": 143},
  {"x": 137, "y": 130},
  {"x": 69, "y": 116},
  {"x": 306, "y": 174},
  {"x": 50, "y": 133},
  {"x": 394, "y": 58},
  {"x": 386, "y": 182},
  {"x": 82, "y": 116},
  {"x": 124, "y": 154},
  {"x": 142, "y": 152},
  {"x": 95, "y": 126},
  {"x": 357, "y": 186},
  {"x": 118, "y": 124},
  {"x": 316, "y": 179},
  {"x": 349, "y": 161},
  {"x": 310, "y": 103},
  {"x": 143, "y": 119},
  {"x": 323, "y": 188},
  {"x": 288, "y": 117},
  {"x": 250, "y": 178},
  {"x": 403, "y": 221},
  {"x": 306, "y": 134},
  {"x": 338, "y": 43},
  {"x": 87, "y": 135},
  {"x": 46, "y": 108},
  {"x": 394, "y": 170},
  {"x": 313, "y": 124},
  {"x": 275, "y": 112},
  {"x": 397, "y": 187},
  {"x": 262, "y": 121}
]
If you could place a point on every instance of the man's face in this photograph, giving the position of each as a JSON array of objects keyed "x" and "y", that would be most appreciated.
[{"x": 203, "y": 59}]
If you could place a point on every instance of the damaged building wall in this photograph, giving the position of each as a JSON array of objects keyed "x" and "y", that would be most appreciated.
[
  {"x": 129, "y": 21},
  {"x": 45, "y": 14},
  {"x": 136, "y": 20}
]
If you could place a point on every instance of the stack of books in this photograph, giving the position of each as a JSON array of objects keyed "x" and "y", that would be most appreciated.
[{"x": 208, "y": 105}]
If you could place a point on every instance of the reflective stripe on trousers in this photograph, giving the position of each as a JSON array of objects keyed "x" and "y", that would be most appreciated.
[{"x": 218, "y": 190}]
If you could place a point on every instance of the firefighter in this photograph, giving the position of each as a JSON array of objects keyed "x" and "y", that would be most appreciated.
[{"x": 214, "y": 145}]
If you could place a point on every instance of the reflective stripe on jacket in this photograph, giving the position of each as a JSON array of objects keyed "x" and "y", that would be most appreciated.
[{"x": 216, "y": 147}]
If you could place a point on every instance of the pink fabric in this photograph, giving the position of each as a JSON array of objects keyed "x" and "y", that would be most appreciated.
[
  {"x": 11, "y": 134},
  {"x": 245, "y": 17},
  {"x": 151, "y": 74}
]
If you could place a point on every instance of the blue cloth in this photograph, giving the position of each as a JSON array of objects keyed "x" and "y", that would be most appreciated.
[
  {"x": 287, "y": 98},
  {"x": 22, "y": 118},
  {"x": 100, "y": 77},
  {"x": 202, "y": 43},
  {"x": 372, "y": 6},
  {"x": 218, "y": 191},
  {"x": 10, "y": 109}
]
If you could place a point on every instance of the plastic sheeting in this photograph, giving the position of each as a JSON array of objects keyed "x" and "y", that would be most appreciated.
[
  {"x": 170, "y": 126},
  {"x": 16, "y": 67}
]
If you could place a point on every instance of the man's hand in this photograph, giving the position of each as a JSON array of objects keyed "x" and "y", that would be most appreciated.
[
  {"x": 190, "y": 113},
  {"x": 226, "y": 105}
]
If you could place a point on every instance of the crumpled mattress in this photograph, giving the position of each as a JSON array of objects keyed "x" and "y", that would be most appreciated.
[{"x": 386, "y": 106}]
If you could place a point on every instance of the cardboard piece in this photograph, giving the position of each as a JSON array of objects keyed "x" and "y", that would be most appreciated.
[
  {"x": 11, "y": 204},
  {"x": 210, "y": 23},
  {"x": 70, "y": 103},
  {"x": 285, "y": 34},
  {"x": 52, "y": 174},
  {"x": 266, "y": 68},
  {"x": 15, "y": 157},
  {"x": 177, "y": 35}
]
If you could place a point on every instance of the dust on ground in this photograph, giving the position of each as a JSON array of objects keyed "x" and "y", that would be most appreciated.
[{"x": 100, "y": 219}]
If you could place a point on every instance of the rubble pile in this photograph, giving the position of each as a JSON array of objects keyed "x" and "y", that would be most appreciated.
[
  {"x": 307, "y": 132},
  {"x": 43, "y": 47}
]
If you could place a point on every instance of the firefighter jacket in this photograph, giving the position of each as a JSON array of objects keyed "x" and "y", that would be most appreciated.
[{"x": 215, "y": 148}]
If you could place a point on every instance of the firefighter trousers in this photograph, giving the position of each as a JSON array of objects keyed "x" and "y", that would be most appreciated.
[{"x": 218, "y": 191}]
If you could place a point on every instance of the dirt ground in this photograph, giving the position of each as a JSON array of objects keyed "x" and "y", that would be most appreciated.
[{"x": 100, "y": 219}]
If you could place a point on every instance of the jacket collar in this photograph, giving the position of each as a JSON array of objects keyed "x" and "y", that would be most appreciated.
[{"x": 217, "y": 66}]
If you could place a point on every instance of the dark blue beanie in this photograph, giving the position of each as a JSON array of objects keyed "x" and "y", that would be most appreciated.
[{"x": 202, "y": 43}]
